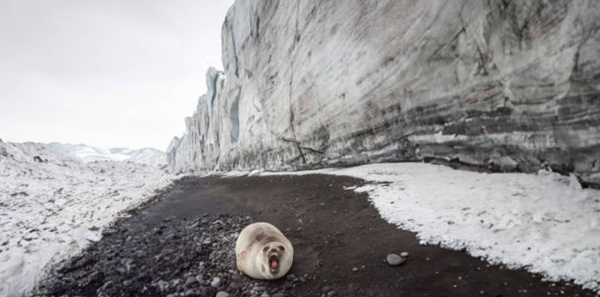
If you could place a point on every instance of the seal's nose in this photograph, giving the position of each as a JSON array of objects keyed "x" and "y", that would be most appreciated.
[{"x": 273, "y": 250}]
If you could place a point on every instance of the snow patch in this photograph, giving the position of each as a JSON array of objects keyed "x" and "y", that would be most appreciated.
[
  {"x": 52, "y": 208},
  {"x": 88, "y": 154},
  {"x": 545, "y": 223}
]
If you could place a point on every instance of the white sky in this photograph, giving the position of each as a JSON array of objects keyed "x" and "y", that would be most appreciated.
[{"x": 111, "y": 73}]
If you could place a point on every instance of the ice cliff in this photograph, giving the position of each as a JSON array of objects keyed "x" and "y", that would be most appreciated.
[{"x": 510, "y": 85}]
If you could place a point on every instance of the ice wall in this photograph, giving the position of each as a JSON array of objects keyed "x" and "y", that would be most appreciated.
[{"x": 510, "y": 85}]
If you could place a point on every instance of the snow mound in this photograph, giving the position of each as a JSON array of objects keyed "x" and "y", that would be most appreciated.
[
  {"x": 88, "y": 153},
  {"x": 52, "y": 205}
]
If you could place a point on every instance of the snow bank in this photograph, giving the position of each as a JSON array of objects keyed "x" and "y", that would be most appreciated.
[
  {"x": 52, "y": 209},
  {"x": 545, "y": 223},
  {"x": 88, "y": 153}
]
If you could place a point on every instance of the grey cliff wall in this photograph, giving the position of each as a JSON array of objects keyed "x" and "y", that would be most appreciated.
[{"x": 513, "y": 85}]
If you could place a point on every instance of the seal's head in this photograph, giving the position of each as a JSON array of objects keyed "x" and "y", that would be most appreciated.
[
  {"x": 276, "y": 259},
  {"x": 263, "y": 252}
]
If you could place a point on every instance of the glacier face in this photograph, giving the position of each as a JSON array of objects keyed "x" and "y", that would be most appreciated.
[
  {"x": 504, "y": 84},
  {"x": 86, "y": 153}
]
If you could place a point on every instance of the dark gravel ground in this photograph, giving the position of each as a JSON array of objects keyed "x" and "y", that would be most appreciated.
[
  {"x": 182, "y": 244},
  {"x": 189, "y": 257}
]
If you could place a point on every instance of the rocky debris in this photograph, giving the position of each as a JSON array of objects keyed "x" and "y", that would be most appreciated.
[
  {"x": 176, "y": 258},
  {"x": 404, "y": 254},
  {"x": 216, "y": 282},
  {"x": 38, "y": 159},
  {"x": 3, "y": 151},
  {"x": 395, "y": 259}
]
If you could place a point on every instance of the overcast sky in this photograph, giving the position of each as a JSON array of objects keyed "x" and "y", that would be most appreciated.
[{"x": 105, "y": 73}]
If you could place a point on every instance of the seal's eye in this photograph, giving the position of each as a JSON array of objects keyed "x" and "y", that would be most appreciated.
[
  {"x": 265, "y": 249},
  {"x": 281, "y": 248}
]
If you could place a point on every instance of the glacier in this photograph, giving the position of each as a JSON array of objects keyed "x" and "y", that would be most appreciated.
[
  {"x": 86, "y": 153},
  {"x": 503, "y": 85}
]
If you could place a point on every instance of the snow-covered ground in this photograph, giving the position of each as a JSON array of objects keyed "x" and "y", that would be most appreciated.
[
  {"x": 545, "y": 223},
  {"x": 50, "y": 210},
  {"x": 88, "y": 153}
]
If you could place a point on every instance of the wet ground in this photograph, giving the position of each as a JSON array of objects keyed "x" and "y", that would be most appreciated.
[{"x": 340, "y": 245}]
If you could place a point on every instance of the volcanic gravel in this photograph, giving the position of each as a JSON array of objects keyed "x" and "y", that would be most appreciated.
[
  {"x": 191, "y": 257},
  {"x": 183, "y": 242}
]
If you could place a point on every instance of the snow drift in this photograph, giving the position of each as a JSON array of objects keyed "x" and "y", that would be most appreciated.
[
  {"x": 52, "y": 205},
  {"x": 88, "y": 153},
  {"x": 545, "y": 222}
]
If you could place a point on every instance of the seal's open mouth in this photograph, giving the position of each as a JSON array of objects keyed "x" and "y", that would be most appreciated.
[{"x": 274, "y": 263}]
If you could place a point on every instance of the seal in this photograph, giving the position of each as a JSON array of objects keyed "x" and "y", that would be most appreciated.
[{"x": 263, "y": 252}]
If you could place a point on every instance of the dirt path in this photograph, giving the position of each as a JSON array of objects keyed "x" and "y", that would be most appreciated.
[{"x": 340, "y": 241}]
